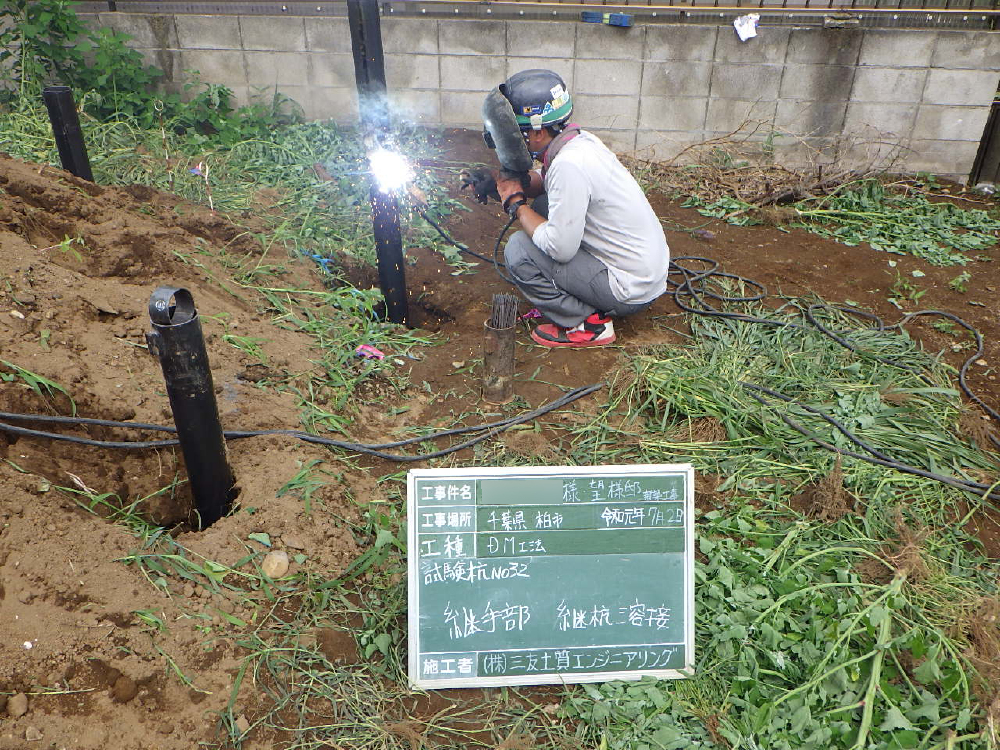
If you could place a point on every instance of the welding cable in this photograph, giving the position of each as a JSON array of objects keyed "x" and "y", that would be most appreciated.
[
  {"x": 986, "y": 491},
  {"x": 487, "y": 430},
  {"x": 497, "y": 265},
  {"x": 691, "y": 287},
  {"x": 969, "y": 360},
  {"x": 496, "y": 251},
  {"x": 962, "y": 372},
  {"x": 455, "y": 243}
]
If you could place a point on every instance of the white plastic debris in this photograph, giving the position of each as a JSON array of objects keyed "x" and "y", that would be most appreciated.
[{"x": 746, "y": 26}]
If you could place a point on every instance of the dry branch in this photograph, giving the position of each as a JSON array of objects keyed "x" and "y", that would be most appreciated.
[{"x": 743, "y": 165}]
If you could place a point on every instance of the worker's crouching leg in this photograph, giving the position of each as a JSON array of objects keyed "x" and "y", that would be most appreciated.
[{"x": 534, "y": 272}]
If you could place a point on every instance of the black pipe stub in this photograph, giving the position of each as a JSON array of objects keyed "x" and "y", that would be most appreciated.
[
  {"x": 389, "y": 254},
  {"x": 177, "y": 341},
  {"x": 171, "y": 305},
  {"x": 66, "y": 130}
]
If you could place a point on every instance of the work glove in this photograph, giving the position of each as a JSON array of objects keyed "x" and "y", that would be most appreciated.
[{"x": 482, "y": 184}]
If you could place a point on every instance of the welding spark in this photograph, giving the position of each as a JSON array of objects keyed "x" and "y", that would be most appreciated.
[{"x": 390, "y": 169}]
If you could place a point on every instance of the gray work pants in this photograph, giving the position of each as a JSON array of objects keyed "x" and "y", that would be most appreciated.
[{"x": 566, "y": 293}]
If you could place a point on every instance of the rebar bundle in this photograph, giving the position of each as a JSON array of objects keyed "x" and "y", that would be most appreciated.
[{"x": 504, "y": 313}]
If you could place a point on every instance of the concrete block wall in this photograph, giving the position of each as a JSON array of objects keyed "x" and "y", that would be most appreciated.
[{"x": 649, "y": 89}]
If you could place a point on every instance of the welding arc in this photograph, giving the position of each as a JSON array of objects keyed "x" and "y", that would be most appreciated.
[{"x": 377, "y": 450}]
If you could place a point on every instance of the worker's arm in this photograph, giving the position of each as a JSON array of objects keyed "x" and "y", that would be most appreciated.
[
  {"x": 511, "y": 189},
  {"x": 569, "y": 191},
  {"x": 530, "y": 220},
  {"x": 535, "y": 185}
]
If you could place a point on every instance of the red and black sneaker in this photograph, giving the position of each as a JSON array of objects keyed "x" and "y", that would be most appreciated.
[{"x": 596, "y": 330}]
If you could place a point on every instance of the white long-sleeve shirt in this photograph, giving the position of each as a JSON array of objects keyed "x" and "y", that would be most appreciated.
[{"x": 594, "y": 201}]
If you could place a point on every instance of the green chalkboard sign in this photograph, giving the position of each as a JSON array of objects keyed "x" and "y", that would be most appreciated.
[{"x": 527, "y": 576}]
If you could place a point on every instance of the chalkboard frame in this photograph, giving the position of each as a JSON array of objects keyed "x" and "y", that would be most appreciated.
[{"x": 481, "y": 473}]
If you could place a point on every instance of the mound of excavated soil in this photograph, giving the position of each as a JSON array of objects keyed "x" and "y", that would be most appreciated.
[{"x": 78, "y": 266}]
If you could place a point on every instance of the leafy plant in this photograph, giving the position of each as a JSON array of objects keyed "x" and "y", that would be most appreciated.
[
  {"x": 67, "y": 246},
  {"x": 903, "y": 223},
  {"x": 44, "y": 41},
  {"x": 904, "y": 290},
  {"x": 120, "y": 81},
  {"x": 41, "y": 40},
  {"x": 945, "y": 326},
  {"x": 39, "y": 384},
  {"x": 960, "y": 283},
  {"x": 732, "y": 210}
]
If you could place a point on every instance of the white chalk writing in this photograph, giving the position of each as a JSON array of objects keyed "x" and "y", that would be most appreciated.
[
  {"x": 464, "y": 622},
  {"x": 508, "y": 545},
  {"x": 507, "y": 521},
  {"x": 470, "y": 571},
  {"x": 547, "y": 520}
]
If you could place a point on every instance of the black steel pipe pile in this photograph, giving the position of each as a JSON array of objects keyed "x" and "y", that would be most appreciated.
[
  {"x": 369, "y": 73},
  {"x": 66, "y": 128},
  {"x": 389, "y": 251},
  {"x": 178, "y": 342}
]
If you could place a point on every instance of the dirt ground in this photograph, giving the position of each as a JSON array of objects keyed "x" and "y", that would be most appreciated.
[{"x": 76, "y": 313}]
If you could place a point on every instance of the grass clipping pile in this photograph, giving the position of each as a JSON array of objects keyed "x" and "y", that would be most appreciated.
[{"x": 92, "y": 654}]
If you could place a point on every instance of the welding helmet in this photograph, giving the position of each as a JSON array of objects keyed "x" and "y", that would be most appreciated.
[
  {"x": 501, "y": 132},
  {"x": 539, "y": 99}
]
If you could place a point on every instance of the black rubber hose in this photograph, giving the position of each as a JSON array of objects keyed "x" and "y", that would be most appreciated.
[
  {"x": 876, "y": 457},
  {"x": 487, "y": 430},
  {"x": 496, "y": 252}
]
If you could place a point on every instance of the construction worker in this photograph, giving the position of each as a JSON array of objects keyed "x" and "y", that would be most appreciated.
[{"x": 591, "y": 247}]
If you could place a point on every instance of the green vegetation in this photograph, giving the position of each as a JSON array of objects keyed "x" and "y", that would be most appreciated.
[
  {"x": 897, "y": 221},
  {"x": 960, "y": 283},
  {"x": 905, "y": 223},
  {"x": 44, "y": 42},
  {"x": 42, "y": 386},
  {"x": 903, "y": 291},
  {"x": 840, "y": 604}
]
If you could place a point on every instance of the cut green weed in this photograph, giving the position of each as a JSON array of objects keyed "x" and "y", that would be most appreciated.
[
  {"x": 249, "y": 345},
  {"x": 888, "y": 219},
  {"x": 905, "y": 223},
  {"x": 307, "y": 480},
  {"x": 960, "y": 283},
  {"x": 41, "y": 385},
  {"x": 830, "y": 594}
]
